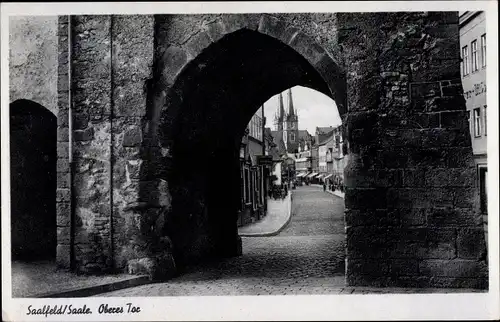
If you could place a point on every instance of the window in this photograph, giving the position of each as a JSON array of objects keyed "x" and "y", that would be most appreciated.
[
  {"x": 465, "y": 61},
  {"x": 483, "y": 50},
  {"x": 292, "y": 137},
  {"x": 474, "y": 60},
  {"x": 485, "y": 121},
  {"x": 477, "y": 122}
]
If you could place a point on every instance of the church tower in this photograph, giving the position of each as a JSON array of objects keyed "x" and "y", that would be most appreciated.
[
  {"x": 279, "y": 118},
  {"x": 292, "y": 126}
]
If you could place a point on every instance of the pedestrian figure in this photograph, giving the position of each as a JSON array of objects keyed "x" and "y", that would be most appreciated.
[{"x": 324, "y": 186}]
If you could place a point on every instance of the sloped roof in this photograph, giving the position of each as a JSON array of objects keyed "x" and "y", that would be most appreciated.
[
  {"x": 278, "y": 140},
  {"x": 324, "y": 129},
  {"x": 326, "y": 139},
  {"x": 303, "y": 134}
]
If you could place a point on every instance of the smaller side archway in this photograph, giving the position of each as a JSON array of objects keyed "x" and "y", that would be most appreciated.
[{"x": 33, "y": 136}]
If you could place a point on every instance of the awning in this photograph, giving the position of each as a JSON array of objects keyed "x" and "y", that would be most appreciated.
[
  {"x": 302, "y": 174},
  {"x": 312, "y": 175},
  {"x": 328, "y": 176},
  {"x": 322, "y": 175}
]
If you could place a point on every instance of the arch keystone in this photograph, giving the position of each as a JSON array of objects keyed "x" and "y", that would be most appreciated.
[{"x": 233, "y": 22}]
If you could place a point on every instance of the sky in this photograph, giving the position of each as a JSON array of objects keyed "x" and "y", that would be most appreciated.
[{"x": 313, "y": 108}]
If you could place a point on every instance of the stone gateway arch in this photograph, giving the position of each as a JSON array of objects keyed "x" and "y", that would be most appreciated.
[{"x": 151, "y": 109}]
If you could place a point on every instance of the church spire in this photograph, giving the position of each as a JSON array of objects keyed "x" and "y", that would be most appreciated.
[
  {"x": 291, "y": 111},
  {"x": 280, "y": 116},
  {"x": 282, "y": 109}
]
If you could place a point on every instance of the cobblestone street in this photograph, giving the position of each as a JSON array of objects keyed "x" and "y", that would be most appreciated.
[{"x": 307, "y": 257}]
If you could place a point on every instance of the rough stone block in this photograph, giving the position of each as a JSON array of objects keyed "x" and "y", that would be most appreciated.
[
  {"x": 307, "y": 47},
  {"x": 134, "y": 168},
  {"x": 440, "y": 138},
  {"x": 394, "y": 158},
  {"x": 62, "y": 134},
  {"x": 463, "y": 197},
  {"x": 455, "y": 177},
  {"x": 443, "y": 17},
  {"x": 63, "y": 180},
  {"x": 421, "y": 243},
  {"x": 161, "y": 268},
  {"x": 454, "y": 157},
  {"x": 414, "y": 177},
  {"x": 63, "y": 195},
  {"x": 453, "y": 268},
  {"x": 471, "y": 243},
  {"x": 452, "y": 216},
  {"x": 407, "y": 217},
  {"x": 370, "y": 267},
  {"x": 366, "y": 217},
  {"x": 336, "y": 79},
  {"x": 366, "y": 280},
  {"x": 62, "y": 117},
  {"x": 407, "y": 198},
  {"x": 62, "y": 165},
  {"x": 438, "y": 104},
  {"x": 62, "y": 150},
  {"x": 132, "y": 137},
  {"x": 198, "y": 43},
  {"x": 454, "y": 120},
  {"x": 80, "y": 121},
  {"x": 366, "y": 242},
  {"x": 424, "y": 157},
  {"x": 174, "y": 59},
  {"x": 63, "y": 235},
  {"x": 439, "y": 243},
  {"x": 63, "y": 257},
  {"x": 63, "y": 214},
  {"x": 408, "y": 281},
  {"x": 403, "y": 267},
  {"x": 84, "y": 135},
  {"x": 424, "y": 90},
  {"x": 216, "y": 30},
  {"x": 233, "y": 22},
  {"x": 273, "y": 26},
  {"x": 455, "y": 282},
  {"x": 362, "y": 198}
]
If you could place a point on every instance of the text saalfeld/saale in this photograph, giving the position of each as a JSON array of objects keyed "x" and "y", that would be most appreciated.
[{"x": 67, "y": 309}]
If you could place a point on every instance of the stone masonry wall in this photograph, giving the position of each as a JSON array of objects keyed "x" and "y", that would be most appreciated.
[
  {"x": 32, "y": 40},
  {"x": 63, "y": 192},
  {"x": 91, "y": 82},
  {"x": 114, "y": 202},
  {"x": 410, "y": 196}
]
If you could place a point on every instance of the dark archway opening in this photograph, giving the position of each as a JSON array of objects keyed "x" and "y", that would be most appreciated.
[
  {"x": 202, "y": 124},
  {"x": 33, "y": 137}
]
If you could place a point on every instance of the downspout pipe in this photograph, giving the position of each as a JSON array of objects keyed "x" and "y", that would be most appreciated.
[{"x": 70, "y": 145}]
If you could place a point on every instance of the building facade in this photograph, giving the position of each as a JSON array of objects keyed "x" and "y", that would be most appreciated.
[
  {"x": 473, "y": 71},
  {"x": 303, "y": 163},
  {"x": 253, "y": 174}
]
